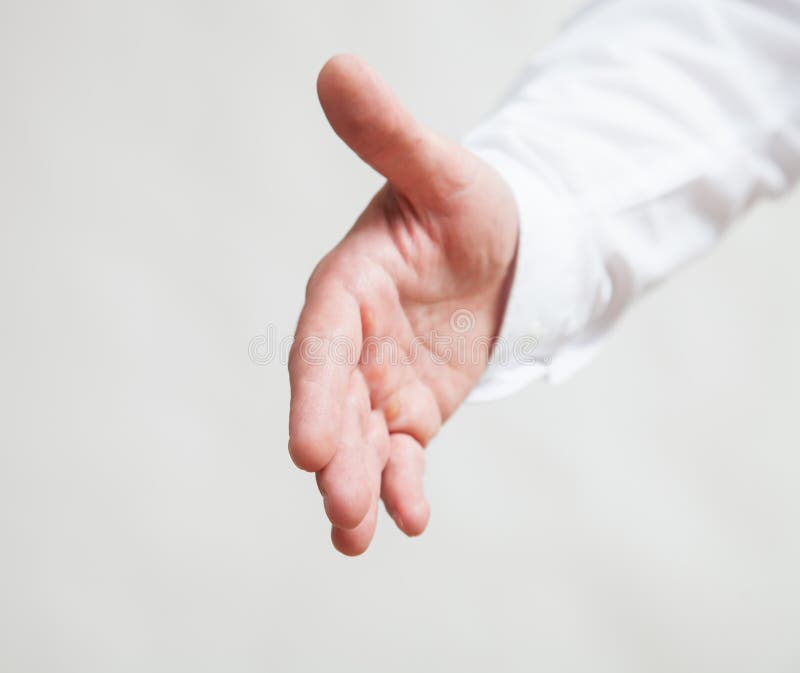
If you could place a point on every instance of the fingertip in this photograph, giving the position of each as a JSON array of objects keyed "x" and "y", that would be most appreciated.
[
  {"x": 337, "y": 65},
  {"x": 337, "y": 81},
  {"x": 413, "y": 519},
  {"x": 355, "y": 542},
  {"x": 310, "y": 453},
  {"x": 346, "y": 501},
  {"x": 402, "y": 485},
  {"x": 345, "y": 544}
]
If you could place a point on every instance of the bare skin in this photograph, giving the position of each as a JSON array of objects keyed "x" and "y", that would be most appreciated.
[{"x": 436, "y": 241}]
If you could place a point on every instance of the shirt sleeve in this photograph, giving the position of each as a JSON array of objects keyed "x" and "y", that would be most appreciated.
[{"x": 630, "y": 144}]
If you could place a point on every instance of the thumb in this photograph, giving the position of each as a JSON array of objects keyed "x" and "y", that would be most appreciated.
[{"x": 365, "y": 113}]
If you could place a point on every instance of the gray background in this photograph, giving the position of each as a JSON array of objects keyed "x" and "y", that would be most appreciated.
[{"x": 167, "y": 182}]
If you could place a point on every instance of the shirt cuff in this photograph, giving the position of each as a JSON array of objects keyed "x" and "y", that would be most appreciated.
[{"x": 560, "y": 284}]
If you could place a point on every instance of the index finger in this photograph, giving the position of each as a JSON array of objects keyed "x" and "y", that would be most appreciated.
[{"x": 325, "y": 352}]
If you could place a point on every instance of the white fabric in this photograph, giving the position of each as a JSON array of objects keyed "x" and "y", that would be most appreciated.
[{"x": 630, "y": 144}]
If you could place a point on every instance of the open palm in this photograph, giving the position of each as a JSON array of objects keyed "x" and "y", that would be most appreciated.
[{"x": 399, "y": 316}]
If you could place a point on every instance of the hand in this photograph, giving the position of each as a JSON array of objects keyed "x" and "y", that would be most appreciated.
[{"x": 432, "y": 254}]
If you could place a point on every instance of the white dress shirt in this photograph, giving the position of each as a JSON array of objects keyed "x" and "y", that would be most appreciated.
[{"x": 631, "y": 144}]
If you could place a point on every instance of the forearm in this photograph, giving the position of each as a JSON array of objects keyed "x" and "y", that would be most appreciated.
[{"x": 630, "y": 144}]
